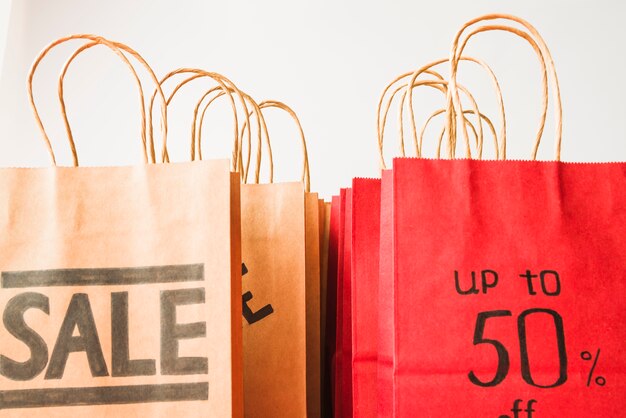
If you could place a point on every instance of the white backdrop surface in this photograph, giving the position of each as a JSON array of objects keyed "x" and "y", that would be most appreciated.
[{"x": 329, "y": 60}]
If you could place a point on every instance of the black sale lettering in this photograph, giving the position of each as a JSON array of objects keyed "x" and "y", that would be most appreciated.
[
  {"x": 256, "y": 316},
  {"x": 14, "y": 323},
  {"x": 250, "y": 315},
  {"x": 172, "y": 332},
  {"x": 78, "y": 316},
  {"x": 121, "y": 364}
]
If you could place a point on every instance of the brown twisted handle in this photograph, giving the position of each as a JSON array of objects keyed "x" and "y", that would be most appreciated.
[
  {"x": 118, "y": 49},
  {"x": 306, "y": 178},
  {"x": 451, "y": 126},
  {"x": 261, "y": 129},
  {"x": 427, "y": 69},
  {"x": 478, "y": 134},
  {"x": 443, "y": 130},
  {"x": 533, "y": 37},
  {"x": 225, "y": 84},
  {"x": 380, "y": 125},
  {"x": 440, "y": 85}
]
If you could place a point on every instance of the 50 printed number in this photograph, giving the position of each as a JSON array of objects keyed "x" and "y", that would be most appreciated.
[{"x": 503, "y": 355}]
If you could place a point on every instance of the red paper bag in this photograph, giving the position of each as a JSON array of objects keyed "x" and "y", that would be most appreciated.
[
  {"x": 332, "y": 382},
  {"x": 364, "y": 279},
  {"x": 385, "y": 330},
  {"x": 346, "y": 310},
  {"x": 509, "y": 289}
]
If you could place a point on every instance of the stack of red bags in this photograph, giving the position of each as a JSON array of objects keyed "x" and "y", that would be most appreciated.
[{"x": 461, "y": 287}]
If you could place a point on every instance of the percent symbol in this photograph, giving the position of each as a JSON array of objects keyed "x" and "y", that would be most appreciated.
[{"x": 586, "y": 356}]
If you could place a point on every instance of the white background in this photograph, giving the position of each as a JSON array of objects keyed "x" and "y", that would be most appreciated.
[{"x": 329, "y": 60}]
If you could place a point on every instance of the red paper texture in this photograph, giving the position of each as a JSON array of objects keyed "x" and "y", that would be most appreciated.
[
  {"x": 385, "y": 359},
  {"x": 508, "y": 218},
  {"x": 346, "y": 311},
  {"x": 333, "y": 326},
  {"x": 364, "y": 274},
  {"x": 331, "y": 306}
]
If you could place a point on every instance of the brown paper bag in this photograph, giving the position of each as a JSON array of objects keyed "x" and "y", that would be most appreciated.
[
  {"x": 274, "y": 242},
  {"x": 324, "y": 228},
  {"x": 314, "y": 377},
  {"x": 120, "y": 290},
  {"x": 281, "y": 350},
  {"x": 280, "y": 247}
]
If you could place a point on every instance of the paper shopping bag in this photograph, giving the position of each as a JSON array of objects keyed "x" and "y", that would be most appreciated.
[
  {"x": 279, "y": 246},
  {"x": 331, "y": 384},
  {"x": 372, "y": 268},
  {"x": 364, "y": 271},
  {"x": 117, "y": 299},
  {"x": 313, "y": 355},
  {"x": 274, "y": 285},
  {"x": 281, "y": 268},
  {"x": 346, "y": 309},
  {"x": 507, "y": 276},
  {"x": 120, "y": 287},
  {"x": 324, "y": 253},
  {"x": 281, "y": 300},
  {"x": 335, "y": 300},
  {"x": 508, "y": 288},
  {"x": 386, "y": 303}
]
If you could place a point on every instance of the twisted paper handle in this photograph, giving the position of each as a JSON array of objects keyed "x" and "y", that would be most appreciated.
[
  {"x": 443, "y": 130},
  {"x": 535, "y": 40},
  {"x": 226, "y": 85},
  {"x": 196, "y": 137},
  {"x": 306, "y": 178},
  {"x": 118, "y": 49},
  {"x": 451, "y": 128},
  {"x": 440, "y": 84}
]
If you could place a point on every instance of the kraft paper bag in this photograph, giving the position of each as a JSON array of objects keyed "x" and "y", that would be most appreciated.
[
  {"x": 120, "y": 287},
  {"x": 281, "y": 327},
  {"x": 313, "y": 266},
  {"x": 274, "y": 285},
  {"x": 280, "y": 244},
  {"x": 120, "y": 291}
]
